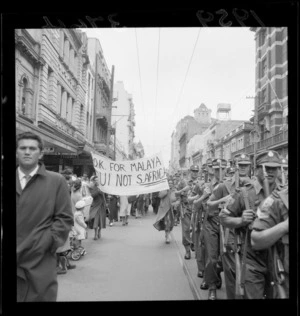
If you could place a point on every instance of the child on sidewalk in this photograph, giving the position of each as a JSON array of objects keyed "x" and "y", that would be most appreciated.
[{"x": 79, "y": 223}]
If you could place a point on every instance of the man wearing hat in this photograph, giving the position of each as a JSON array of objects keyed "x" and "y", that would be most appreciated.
[
  {"x": 199, "y": 205},
  {"x": 212, "y": 271},
  {"x": 222, "y": 195},
  {"x": 184, "y": 189},
  {"x": 271, "y": 232},
  {"x": 239, "y": 216}
]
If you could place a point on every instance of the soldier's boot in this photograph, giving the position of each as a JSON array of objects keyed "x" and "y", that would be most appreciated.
[
  {"x": 212, "y": 293},
  {"x": 168, "y": 237},
  {"x": 192, "y": 247},
  {"x": 187, "y": 253},
  {"x": 62, "y": 268}
]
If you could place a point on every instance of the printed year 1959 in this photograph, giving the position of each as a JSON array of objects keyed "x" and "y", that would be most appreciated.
[{"x": 241, "y": 15}]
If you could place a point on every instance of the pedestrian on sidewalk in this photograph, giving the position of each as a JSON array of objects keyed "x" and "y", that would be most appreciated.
[
  {"x": 76, "y": 194},
  {"x": 139, "y": 206},
  {"x": 79, "y": 223},
  {"x": 165, "y": 217},
  {"x": 125, "y": 207},
  {"x": 97, "y": 216},
  {"x": 113, "y": 205},
  {"x": 44, "y": 219}
]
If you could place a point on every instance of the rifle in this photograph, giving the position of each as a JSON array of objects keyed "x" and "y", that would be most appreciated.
[
  {"x": 278, "y": 274},
  {"x": 283, "y": 176},
  {"x": 266, "y": 182},
  {"x": 221, "y": 205},
  {"x": 239, "y": 289},
  {"x": 243, "y": 268}
]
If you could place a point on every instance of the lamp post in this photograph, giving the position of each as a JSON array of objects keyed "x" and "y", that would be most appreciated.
[{"x": 115, "y": 124}]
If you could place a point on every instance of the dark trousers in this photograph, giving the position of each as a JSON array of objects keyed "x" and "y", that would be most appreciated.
[
  {"x": 228, "y": 262},
  {"x": 185, "y": 225},
  {"x": 200, "y": 250},
  {"x": 256, "y": 281},
  {"x": 212, "y": 246}
]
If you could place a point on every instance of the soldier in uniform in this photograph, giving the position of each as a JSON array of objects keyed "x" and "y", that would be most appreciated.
[
  {"x": 199, "y": 213},
  {"x": 212, "y": 274},
  {"x": 223, "y": 194},
  {"x": 176, "y": 204},
  {"x": 271, "y": 231},
  {"x": 241, "y": 211},
  {"x": 184, "y": 189}
]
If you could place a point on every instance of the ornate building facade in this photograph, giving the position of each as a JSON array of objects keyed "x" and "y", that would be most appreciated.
[{"x": 62, "y": 96}]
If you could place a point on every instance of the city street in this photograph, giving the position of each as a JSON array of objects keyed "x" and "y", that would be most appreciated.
[{"x": 133, "y": 263}]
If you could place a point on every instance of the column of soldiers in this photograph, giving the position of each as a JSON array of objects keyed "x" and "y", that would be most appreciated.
[{"x": 238, "y": 225}]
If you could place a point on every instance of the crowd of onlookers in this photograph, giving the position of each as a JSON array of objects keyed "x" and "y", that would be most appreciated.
[{"x": 92, "y": 208}]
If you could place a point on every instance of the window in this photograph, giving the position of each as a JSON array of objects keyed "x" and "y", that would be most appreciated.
[
  {"x": 263, "y": 36},
  {"x": 24, "y": 101},
  {"x": 49, "y": 86},
  {"x": 263, "y": 96},
  {"x": 264, "y": 67}
]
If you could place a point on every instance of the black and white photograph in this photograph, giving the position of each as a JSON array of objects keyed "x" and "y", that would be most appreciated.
[{"x": 152, "y": 162}]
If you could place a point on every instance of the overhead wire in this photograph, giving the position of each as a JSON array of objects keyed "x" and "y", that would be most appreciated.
[
  {"x": 140, "y": 77},
  {"x": 155, "y": 107},
  {"x": 187, "y": 71}
]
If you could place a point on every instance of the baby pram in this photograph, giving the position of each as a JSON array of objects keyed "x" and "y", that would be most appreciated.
[{"x": 76, "y": 251}]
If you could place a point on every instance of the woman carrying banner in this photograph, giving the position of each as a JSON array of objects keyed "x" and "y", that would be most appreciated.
[
  {"x": 97, "y": 218},
  {"x": 165, "y": 217}
]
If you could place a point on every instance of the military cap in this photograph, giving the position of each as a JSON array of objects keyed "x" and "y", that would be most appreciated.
[
  {"x": 209, "y": 162},
  {"x": 243, "y": 159},
  {"x": 216, "y": 163},
  {"x": 204, "y": 167},
  {"x": 194, "y": 168},
  {"x": 284, "y": 162},
  {"x": 230, "y": 170},
  {"x": 269, "y": 159}
]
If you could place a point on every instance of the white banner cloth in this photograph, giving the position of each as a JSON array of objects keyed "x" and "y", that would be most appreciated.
[{"x": 131, "y": 177}]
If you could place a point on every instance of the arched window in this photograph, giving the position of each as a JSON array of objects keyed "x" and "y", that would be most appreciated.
[{"x": 24, "y": 100}]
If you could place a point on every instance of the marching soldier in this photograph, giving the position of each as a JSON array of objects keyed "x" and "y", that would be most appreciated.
[
  {"x": 241, "y": 212},
  {"x": 212, "y": 274},
  {"x": 200, "y": 206},
  {"x": 271, "y": 231},
  {"x": 184, "y": 190},
  {"x": 223, "y": 194}
]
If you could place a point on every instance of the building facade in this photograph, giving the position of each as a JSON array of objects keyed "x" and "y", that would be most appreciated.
[
  {"x": 271, "y": 102},
  {"x": 234, "y": 142},
  {"x": 102, "y": 91},
  {"x": 123, "y": 118},
  {"x": 50, "y": 91},
  {"x": 62, "y": 94}
]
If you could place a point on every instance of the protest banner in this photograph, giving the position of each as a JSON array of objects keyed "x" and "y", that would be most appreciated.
[{"x": 132, "y": 177}]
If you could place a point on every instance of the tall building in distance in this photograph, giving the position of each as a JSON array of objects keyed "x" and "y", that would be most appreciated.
[
  {"x": 102, "y": 108},
  {"x": 123, "y": 118}
]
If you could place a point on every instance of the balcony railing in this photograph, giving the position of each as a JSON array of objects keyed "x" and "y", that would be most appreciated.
[
  {"x": 273, "y": 140},
  {"x": 265, "y": 144}
]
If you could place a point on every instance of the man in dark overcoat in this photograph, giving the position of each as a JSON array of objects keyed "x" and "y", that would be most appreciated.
[{"x": 44, "y": 219}]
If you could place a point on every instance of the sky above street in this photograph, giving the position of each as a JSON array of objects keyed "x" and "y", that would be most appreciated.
[{"x": 171, "y": 71}]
